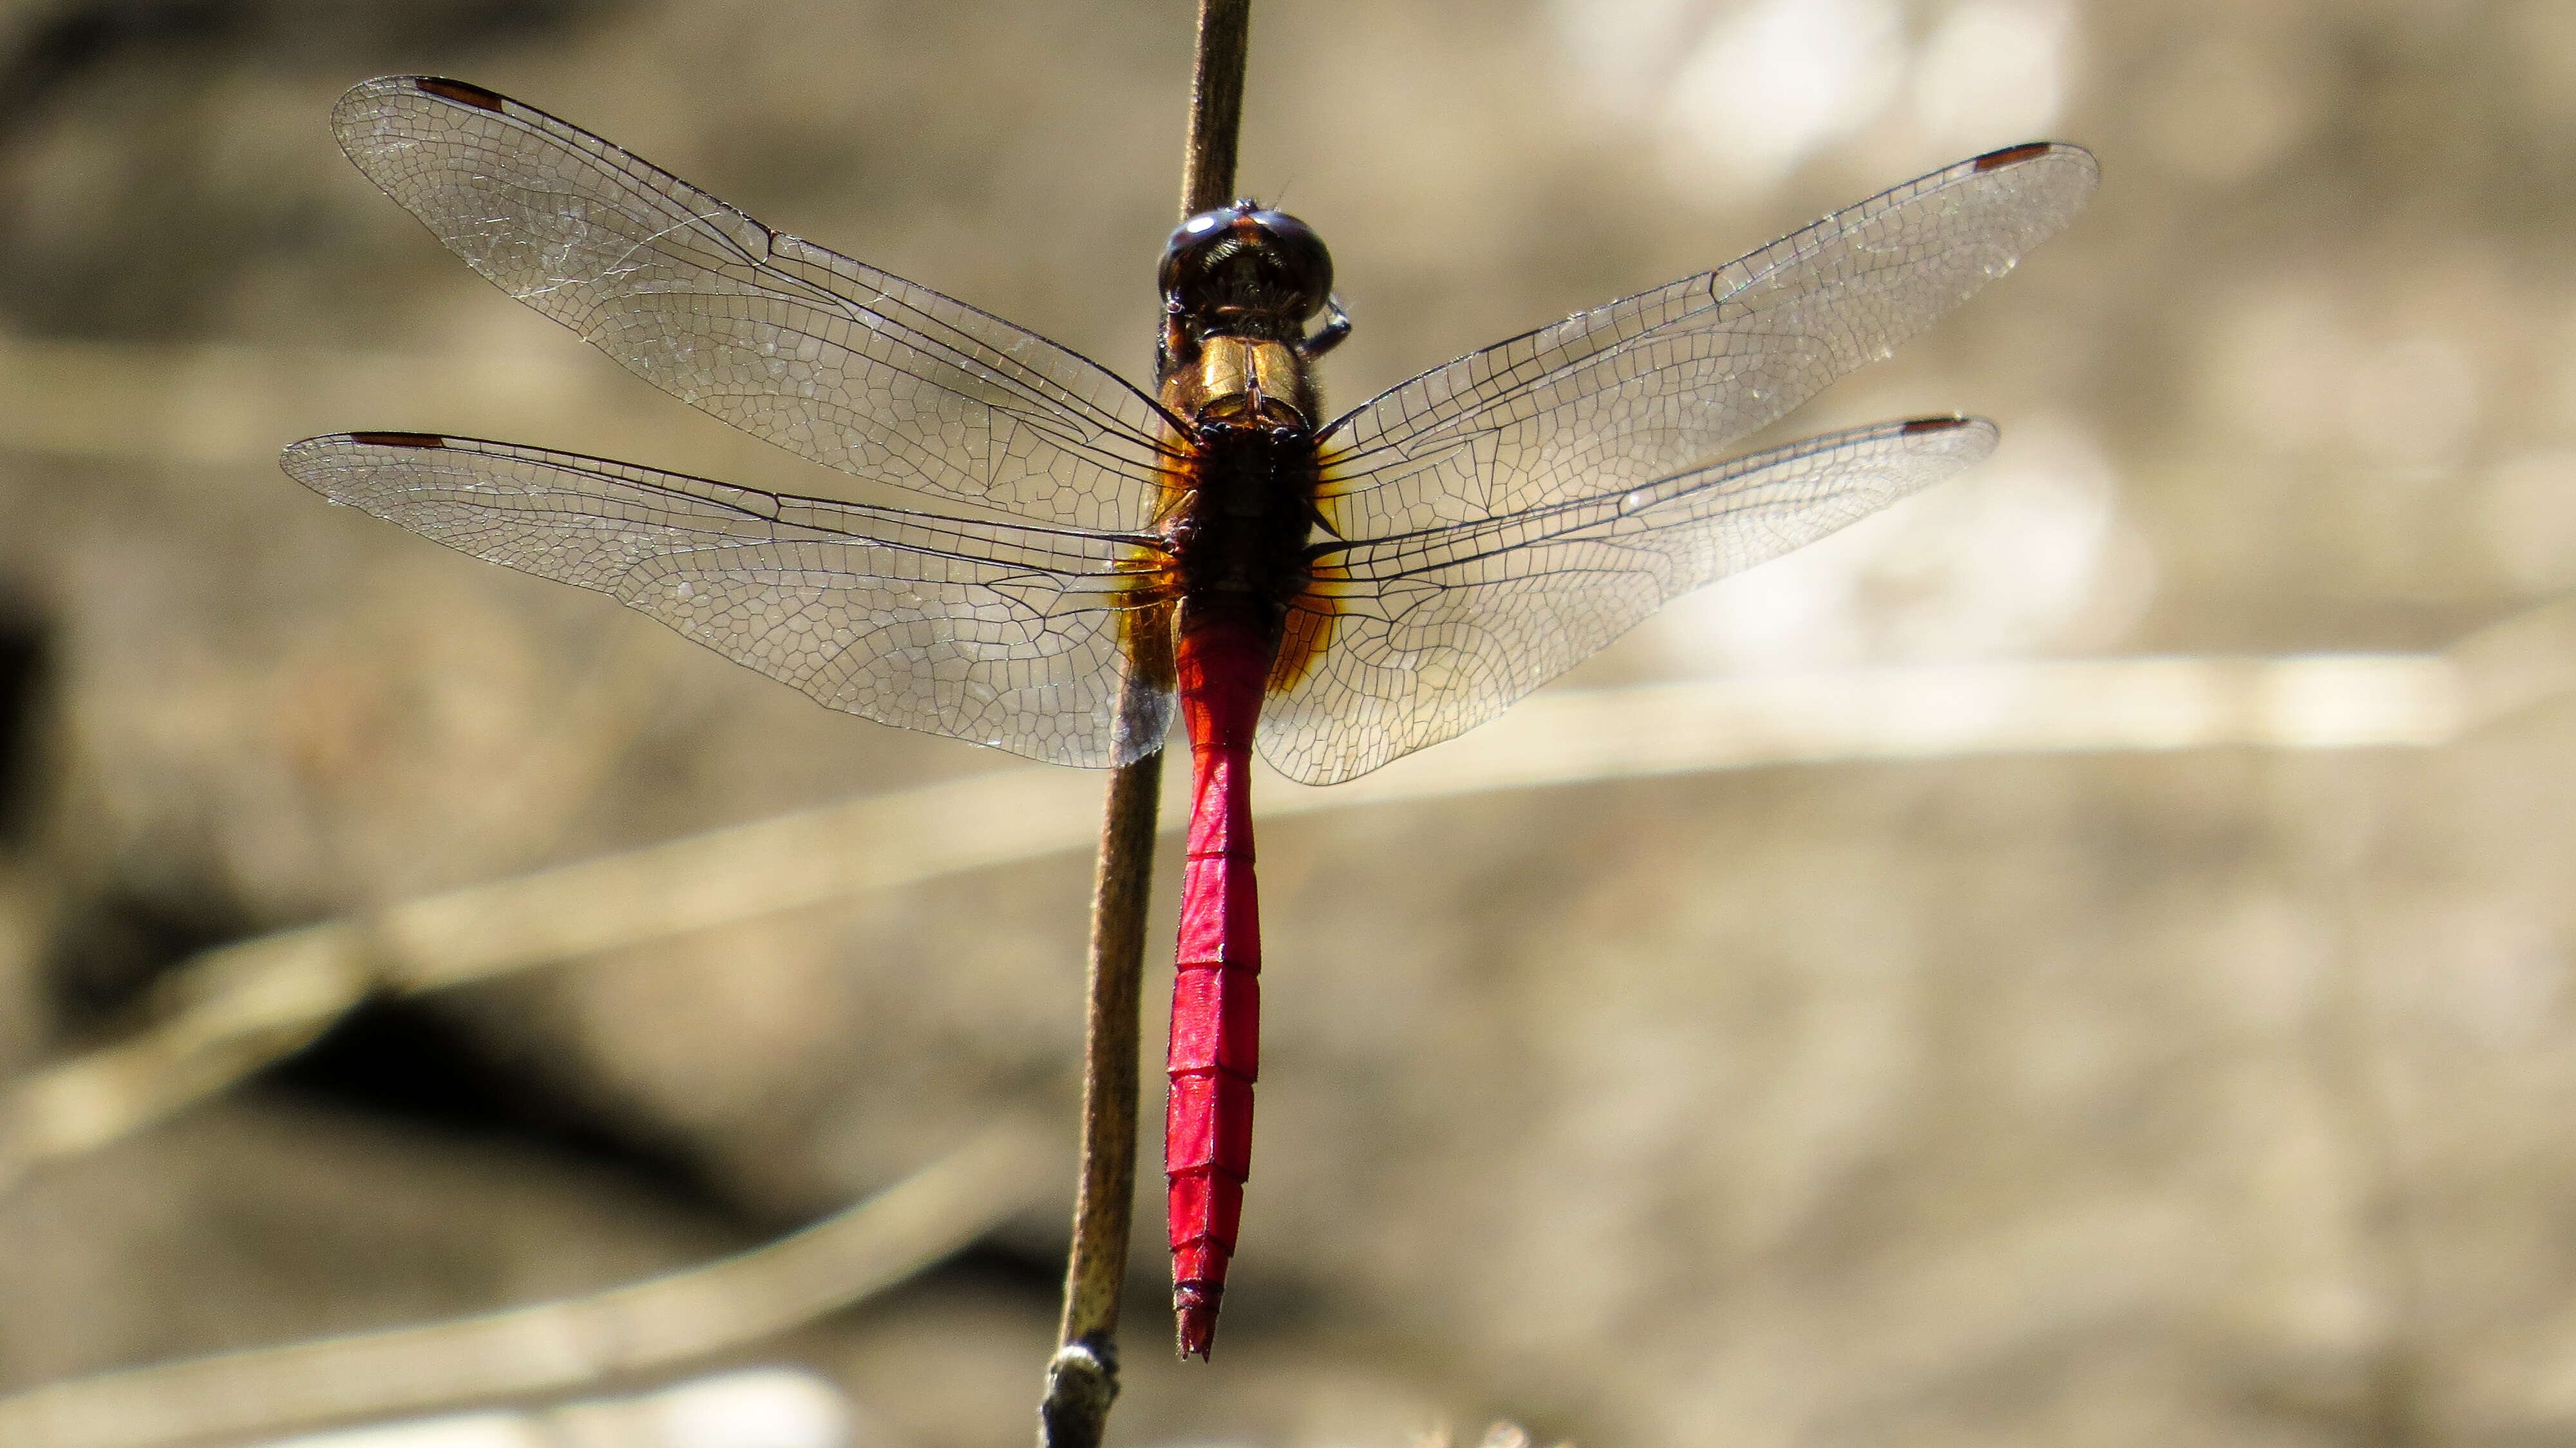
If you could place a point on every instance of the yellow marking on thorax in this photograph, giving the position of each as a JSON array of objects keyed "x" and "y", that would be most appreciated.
[{"x": 1243, "y": 379}]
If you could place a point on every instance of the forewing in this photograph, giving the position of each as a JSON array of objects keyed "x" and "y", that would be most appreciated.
[
  {"x": 1434, "y": 632},
  {"x": 1613, "y": 398},
  {"x": 824, "y": 356},
  {"x": 993, "y": 633}
]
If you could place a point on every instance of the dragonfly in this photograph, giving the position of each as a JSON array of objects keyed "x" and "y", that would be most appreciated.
[{"x": 1333, "y": 592}]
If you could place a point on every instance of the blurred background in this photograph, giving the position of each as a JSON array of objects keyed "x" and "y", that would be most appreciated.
[{"x": 2219, "y": 1095}]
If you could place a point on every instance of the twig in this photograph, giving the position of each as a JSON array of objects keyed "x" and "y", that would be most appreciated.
[
  {"x": 1082, "y": 1378},
  {"x": 233, "y": 1010},
  {"x": 1216, "y": 105},
  {"x": 554, "y": 1346}
]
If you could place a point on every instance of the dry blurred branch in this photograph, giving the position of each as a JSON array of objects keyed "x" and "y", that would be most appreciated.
[
  {"x": 239, "y": 1007},
  {"x": 242, "y": 1006},
  {"x": 785, "y": 1408},
  {"x": 246, "y": 1004},
  {"x": 554, "y": 1346},
  {"x": 220, "y": 404}
]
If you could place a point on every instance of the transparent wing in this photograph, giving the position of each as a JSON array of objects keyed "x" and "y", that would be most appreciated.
[
  {"x": 831, "y": 359},
  {"x": 993, "y": 633},
  {"x": 1619, "y": 396},
  {"x": 1434, "y": 632}
]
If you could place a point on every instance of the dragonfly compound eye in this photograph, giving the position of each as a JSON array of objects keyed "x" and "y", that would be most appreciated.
[{"x": 1246, "y": 267}]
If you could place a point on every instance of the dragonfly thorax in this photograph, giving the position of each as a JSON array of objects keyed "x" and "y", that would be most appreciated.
[
  {"x": 1243, "y": 382},
  {"x": 1242, "y": 525}
]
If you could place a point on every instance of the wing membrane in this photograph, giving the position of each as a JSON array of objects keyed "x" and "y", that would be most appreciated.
[
  {"x": 994, "y": 633},
  {"x": 1619, "y": 396},
  {"x": 824, "y": 356},
  {"x": 1438, "y": 630}
]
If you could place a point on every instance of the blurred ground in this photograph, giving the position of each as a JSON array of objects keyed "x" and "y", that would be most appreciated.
[{"x": 2217, "y": 1097}]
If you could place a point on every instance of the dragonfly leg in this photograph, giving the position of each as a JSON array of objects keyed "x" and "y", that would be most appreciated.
[{"x": 1337, "y": 325}]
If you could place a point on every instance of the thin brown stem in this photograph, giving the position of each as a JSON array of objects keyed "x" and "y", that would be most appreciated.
[
  {"x": 1103, "y": 1205},
  {"x": 1216, "y": 105},
  {"x": 1082, "y": 1378}
]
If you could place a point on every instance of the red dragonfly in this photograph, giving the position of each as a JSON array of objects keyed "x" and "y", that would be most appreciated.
[{"x": 1338, "y": 593}]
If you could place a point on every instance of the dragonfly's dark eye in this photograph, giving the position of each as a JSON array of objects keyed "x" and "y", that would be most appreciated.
[{"x": 1243, "y": 264}]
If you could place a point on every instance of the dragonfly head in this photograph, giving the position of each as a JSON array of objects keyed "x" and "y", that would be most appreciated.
[{"x": 1245, "y": 271}]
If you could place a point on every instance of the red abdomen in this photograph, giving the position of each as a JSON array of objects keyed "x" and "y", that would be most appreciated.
[{"x": 1223, "y": 660}]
